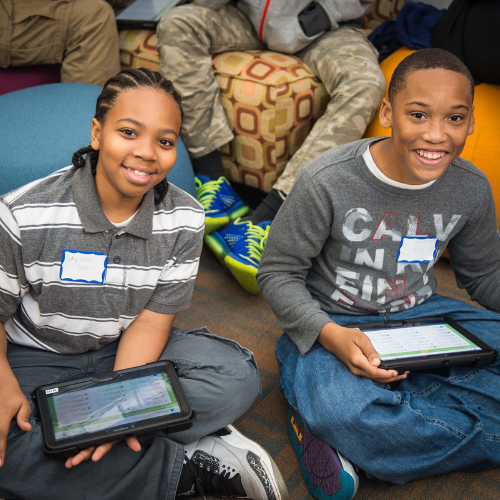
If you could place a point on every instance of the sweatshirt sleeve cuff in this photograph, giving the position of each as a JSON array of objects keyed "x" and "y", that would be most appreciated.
[{"x": 310, "y": 331}]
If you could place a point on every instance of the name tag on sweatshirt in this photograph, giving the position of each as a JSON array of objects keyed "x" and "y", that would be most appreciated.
[
  {"x": 417, "y": 249},
  {"x": 85, "y": 267}
]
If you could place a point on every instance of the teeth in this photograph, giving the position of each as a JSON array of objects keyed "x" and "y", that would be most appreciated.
[
  {"x": 430, "y": 156},
  {"x": 138, "y": 172}
]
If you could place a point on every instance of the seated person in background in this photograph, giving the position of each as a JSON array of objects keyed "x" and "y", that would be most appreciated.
[
  {"x": 79, "y": 34},
  {"x": 469, "y": 29},
  {"x": 324, "y": 35},
  {"x": 331, "y": 260},
  {"x": 117, "y": 202}
]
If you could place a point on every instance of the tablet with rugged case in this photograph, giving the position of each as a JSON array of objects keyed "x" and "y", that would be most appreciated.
[
  {"x": 425, "y": 343},
  {"x": 111, "y": 406}
]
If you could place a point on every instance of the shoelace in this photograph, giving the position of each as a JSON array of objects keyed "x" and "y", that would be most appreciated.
[
  {"x": 207, "y": 482},
  {"x": 207, "y": 192},
  {"x": 255, "y": 241}
]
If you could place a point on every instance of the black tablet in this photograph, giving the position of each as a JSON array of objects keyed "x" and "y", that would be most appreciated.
[
  {"x": 426, "y": 343},
  {"x": 111, "y": 406},
  {"x": 143, "y": 14}
]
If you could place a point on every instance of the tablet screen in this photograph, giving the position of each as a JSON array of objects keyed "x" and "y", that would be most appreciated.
[
  {"x": 418, "y": 340},
  {"x": 104, "y": 406}
]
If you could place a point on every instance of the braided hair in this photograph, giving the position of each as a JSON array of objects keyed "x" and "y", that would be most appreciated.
[{"x": 125, "y": 80}]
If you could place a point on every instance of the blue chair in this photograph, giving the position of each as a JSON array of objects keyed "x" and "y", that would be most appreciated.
[{"x": 43, "y": 126}]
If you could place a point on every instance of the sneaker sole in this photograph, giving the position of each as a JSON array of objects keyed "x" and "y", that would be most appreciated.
[
  {"x": 236, "y": 212},
  {"x": 238, "y": 440},
  {"x": 214, "y": 223},
  {"x": 325, "y": 471},
  {"x": 217, "y": 246},
  {"x": 244, "y": 274}
]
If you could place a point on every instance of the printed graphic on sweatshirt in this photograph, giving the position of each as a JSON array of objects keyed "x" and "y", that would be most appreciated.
[{"x": 371, "y": 251}]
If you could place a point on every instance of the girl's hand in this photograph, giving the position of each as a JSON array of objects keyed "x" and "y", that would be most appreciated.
[
  {"x": 97, "y": 452},
  {"x": 356, "y": 351},
  {"x": 13, "y": 403}
]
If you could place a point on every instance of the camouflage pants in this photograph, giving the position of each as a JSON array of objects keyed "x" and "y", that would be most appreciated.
[{"x": 343, "y": 59}]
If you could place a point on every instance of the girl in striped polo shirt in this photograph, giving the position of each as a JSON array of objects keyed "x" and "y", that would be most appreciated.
[{"x": 95, "y": 262}]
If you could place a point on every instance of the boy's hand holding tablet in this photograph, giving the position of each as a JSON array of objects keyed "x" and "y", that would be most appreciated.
[{"x": 356, "y": 351}]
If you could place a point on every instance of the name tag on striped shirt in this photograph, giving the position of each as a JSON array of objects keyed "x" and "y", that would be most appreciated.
[{"x": 85, "y": 267}]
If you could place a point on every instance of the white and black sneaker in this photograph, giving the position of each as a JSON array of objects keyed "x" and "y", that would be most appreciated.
[{"x": 229, "y": 464}]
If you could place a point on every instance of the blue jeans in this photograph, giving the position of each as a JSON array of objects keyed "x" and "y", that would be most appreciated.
[
  {"x": 219, "y": 377},
  {"x": 435, "y": 422}
]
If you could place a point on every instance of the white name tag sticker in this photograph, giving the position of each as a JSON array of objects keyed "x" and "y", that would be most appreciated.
[
  {"x": 86, "y": 267},
  {"x": 415, "y": 249}
]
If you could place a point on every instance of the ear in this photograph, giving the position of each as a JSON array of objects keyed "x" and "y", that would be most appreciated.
[
  {"x": 385, "y": 114},
  {"x": 95, "y": 134},
  {"x": 472, "y": 123}
]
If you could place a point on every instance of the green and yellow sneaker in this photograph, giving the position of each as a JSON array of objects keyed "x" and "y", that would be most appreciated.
[
  {"x": 239, "y": 246},
  {"x": 221, "y": 203}
]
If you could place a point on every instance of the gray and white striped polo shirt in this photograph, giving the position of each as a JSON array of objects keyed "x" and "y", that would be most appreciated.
[{"x": 152, "y": 262}]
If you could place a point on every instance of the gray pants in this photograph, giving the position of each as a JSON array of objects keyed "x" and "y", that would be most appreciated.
[
  {"x": 220, "y": 379},
  {"x": 343, "y": 59}
]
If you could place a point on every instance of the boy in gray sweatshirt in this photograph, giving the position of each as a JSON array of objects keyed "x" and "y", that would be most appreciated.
[{"x": 333, "y": 259}]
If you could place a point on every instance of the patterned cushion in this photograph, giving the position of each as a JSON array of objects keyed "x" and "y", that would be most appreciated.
[
  {"x": 271, "y": 100},
  {"x": 138, "y": 49}
]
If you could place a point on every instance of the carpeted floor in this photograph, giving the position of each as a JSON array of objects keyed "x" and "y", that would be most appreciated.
[{"x": 228, "y": 310}]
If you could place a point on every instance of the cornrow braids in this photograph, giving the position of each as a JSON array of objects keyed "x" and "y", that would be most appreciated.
[
  {"x": 78, "y": 161},
  {"x": 126, "y": 80}
]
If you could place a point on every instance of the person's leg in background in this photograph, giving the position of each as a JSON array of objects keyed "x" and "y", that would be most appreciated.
[
  {"x": 220, "y": 379},
  {"x": 80, "y": 34},
  {"x": 347, "y": 65},
  {"x": 188, "y": 36},
  {"x": 435, "y": 422},
  {"x": 33, "y": 32},
  {"x": 5, "y": 32},
  {"x": 91, "y": 51}
]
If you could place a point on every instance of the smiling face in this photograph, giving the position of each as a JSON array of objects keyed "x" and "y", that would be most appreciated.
[
  {"x": 137, "y": 145},
  {"x": 430, "y": 119}
]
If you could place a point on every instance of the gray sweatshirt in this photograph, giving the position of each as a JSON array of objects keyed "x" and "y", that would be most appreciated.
[
  {"x": 333, "y": 247},
  {"x": 276, "y": 21}
]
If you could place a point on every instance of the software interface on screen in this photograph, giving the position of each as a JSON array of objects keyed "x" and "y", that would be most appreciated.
[
  {"x": 109, "y": 405},
  {"x": 421, "y": 340}
]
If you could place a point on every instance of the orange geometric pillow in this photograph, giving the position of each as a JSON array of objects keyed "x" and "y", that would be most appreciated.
[
  {"x": 138, "y": 49},
  {"x": 272, "y": 101}
]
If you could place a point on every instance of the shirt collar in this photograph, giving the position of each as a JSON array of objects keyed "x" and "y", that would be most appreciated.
[{"x": 90, "y": 211}]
